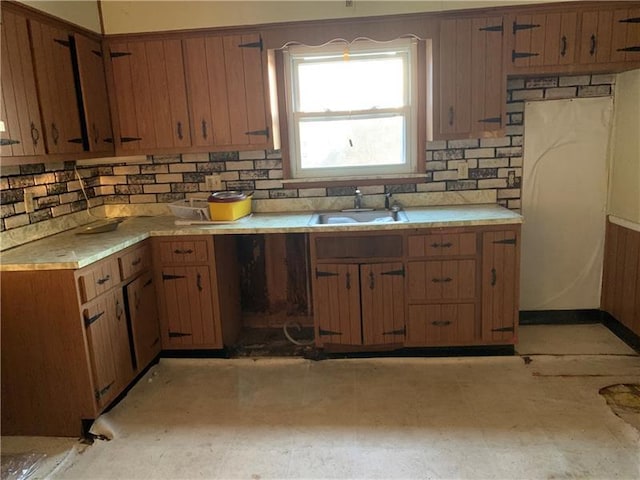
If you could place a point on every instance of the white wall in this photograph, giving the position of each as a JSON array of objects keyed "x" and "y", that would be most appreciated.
[
  {"x": 624, "y": 187},
  {"x": 129, "y": 16},
  {"x": 84, "y": 13}
]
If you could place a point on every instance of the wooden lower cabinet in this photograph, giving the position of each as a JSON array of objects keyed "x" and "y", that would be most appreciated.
[
  {"x": 67, "y": 338},
  {"x": 428, "y": 287},
  {"x": 198, "y": 291}
]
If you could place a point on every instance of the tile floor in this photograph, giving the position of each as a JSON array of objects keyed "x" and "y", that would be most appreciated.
[{"x": 534, "y": 415}]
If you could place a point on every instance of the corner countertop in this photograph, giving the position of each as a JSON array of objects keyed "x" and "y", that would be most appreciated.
[{"x": 69, "y": 250}]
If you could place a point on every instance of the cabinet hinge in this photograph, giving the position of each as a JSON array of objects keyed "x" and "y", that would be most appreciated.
[
  {"x": 74, "y": 140},
  {"x": 402, "y": 331},
  {"x": 7, "y": 141},
  {"x": 630, "y": 20},
  {"x": 506, "y": 241},
  {"x": 119, "y": 54},
  {"x": 515, "y": 55},
  {"x": 108, "y": 140},
  {"x": 492, "y": 28},
  {"x": 320, "y": 273},
  {"x": 635, "y": 48},
  {"x": 178, "y": 334},
  {"x": 394, "y": 272},
  {"x": 129, "y": 139},
  {"x": 264, "y": 132},
  {"x": 524, "y": 26},
  {"x": 90, "y": 320},
  {"x": 257, "y": 44},
  {"x": 503, "y": 329},
  {"x": 328, "y": 332},
  {"x": 491, "y": 120},
  {"x": 64, "y": 43},
  {"x": 166, "y": 276},
  {"x": 97, "y": 53},
  {"x": 101, "y": 393}
]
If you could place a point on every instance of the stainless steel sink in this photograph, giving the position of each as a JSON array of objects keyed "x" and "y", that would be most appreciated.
[{"x": 358, "y": 216}]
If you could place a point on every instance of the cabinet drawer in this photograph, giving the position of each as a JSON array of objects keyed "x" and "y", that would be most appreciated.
[
  {"x": 453, "y": 324},
  {"x": 134, "y": 261},
  {"x": 183, "y": 251},
  {"x": 441, "y": 244},
  {"x": 442, "y": 280},
  {"x": 97, "y": 278}
]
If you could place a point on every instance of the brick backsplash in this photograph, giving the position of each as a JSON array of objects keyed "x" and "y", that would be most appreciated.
[{"x": 494, "y": 163}]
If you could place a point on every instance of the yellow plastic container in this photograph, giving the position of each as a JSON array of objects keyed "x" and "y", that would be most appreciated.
[{"x": 230, "y": 210}]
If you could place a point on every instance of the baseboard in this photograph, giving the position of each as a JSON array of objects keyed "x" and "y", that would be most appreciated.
[
  {"x": 560, "y": 317},
  {"x": 620, "y": 330}
]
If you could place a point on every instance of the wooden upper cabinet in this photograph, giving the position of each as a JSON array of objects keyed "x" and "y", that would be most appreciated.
[
  {"x": 471, "y": 86},
  {"x": 56, "y": 87},
  {"x": 541, "y": 40},
  {"x": 610, "y": 35},
  {"x": 226, "y": 89},
  {"x": 94, "y": 94},
  {"x": 20, "y": 111},
  {"x": 149, "y": 95}
]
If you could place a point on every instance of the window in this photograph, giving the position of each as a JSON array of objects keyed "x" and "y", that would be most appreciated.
[{"x": 352, "y": 109}]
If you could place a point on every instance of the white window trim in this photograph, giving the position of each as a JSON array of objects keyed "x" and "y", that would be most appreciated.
[{"x": 410, "y": 112}]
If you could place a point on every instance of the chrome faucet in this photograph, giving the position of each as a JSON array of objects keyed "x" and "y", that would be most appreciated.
[{"x": 357, "y": 199}]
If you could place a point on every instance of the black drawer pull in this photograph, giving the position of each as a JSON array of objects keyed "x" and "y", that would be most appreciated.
[
  {"x": 563, "y": 50},
  {"x": 179, "y": 251},
  {"x": 441, "y": 323},
  {"x": 592, "y": 50},
  {"x": 103, "y": 280},
  {"x": 442, "y": 280},
  {"x": 442, "y": 245},
  {"x": 89, "y": 320}
]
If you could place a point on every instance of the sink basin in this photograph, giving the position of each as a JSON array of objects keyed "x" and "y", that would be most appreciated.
[{"x": 358, "y": 216}]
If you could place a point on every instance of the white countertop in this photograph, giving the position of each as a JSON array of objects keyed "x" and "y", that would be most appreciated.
[{"x": 68, "y": 250}]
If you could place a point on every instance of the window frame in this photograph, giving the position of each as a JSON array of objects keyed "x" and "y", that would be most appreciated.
[{"x": 412, "y": 168}]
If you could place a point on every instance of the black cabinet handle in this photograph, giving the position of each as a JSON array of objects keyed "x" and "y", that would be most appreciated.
[
  {"x": 179, "y": 251},
  {"x": 442, "y": 280},
  {"x": 441, "y": 323},
  {"x": 103, "y": 280},
  {"x": 204, "y": 129},
  {"x": 96, "y": 135},
  {"x": 348, "y": 281},
  {"x": 592, "y": 50},
  {"x": 493, "y": 277},
  {"x": 55, "y": 134},
  {"x": 199, "y": 282},
  {"x": 179, "y": 128},
  {"x": 442, "y": 245},
  {"x": 563, "y": 50},
  {"x": 450, "y": 116},
  {"x": 372, "y": 281},
  {"x": 119, "y": 310},
  {"x": 35, "y": 134}
]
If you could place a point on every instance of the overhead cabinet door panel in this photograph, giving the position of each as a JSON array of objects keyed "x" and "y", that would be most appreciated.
[
  {"x": 56, "y": 86},
  {"x": 150, "y": 95},
  {"x": 20, "y": 111}
]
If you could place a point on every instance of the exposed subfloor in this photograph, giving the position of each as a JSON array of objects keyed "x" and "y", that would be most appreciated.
[{"x": 537, "y": 414}]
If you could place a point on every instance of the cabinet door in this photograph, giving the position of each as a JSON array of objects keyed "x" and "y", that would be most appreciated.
[
  {"x": 94, "y": 94},
  {"x": 471, "y": 84},
  {"x": 186, "y": 308},
  {"x": 108, "y": 340},
  {"x": 610, "y": 36},
  {"x": 20, "y": 110},
  {"x": 542, "y": 40},
  {"x": 150, "y": 95},
  {"x": 453, "y": 324},
  {"x": 143, "y": 311},
  {"x": 336, "y": 303},
  {"x": 500, "y": 285},
  {"x": 57, "y": 89},
  {"x": 382, "y": 300},
  {"x": 226, "y": 89}
]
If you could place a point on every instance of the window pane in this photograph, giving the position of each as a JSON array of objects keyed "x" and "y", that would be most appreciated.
[
  {"x": 327, "y": 143},
  {"x": 355, "y": 84}
]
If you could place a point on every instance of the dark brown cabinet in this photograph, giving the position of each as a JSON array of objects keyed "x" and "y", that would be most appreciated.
[
  {"x": 149, "y": 96},
  {"x": 23, "y": 134},
  {"x": 198, "y": 292},
  {"x": 470, "y": 93},
  {"x": 226, "y": 90}
]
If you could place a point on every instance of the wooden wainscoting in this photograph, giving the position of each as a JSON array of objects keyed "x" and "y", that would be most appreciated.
[{"x": 621, "y": 276}]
